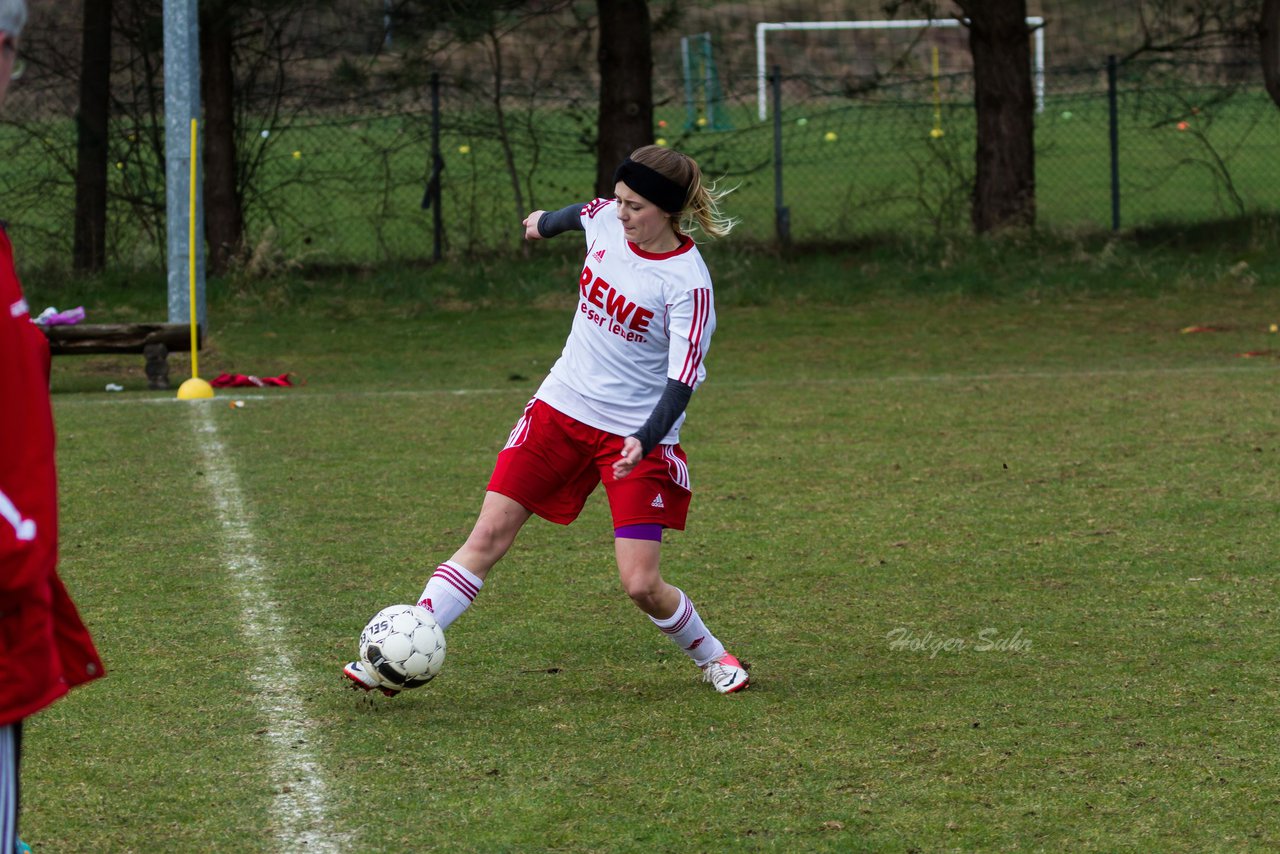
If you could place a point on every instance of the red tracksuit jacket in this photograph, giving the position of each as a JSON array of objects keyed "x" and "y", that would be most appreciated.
[{"x": 45, "y": 649}]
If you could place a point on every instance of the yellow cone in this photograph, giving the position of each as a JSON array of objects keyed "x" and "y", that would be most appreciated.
[{"x": 194, "y": 389}]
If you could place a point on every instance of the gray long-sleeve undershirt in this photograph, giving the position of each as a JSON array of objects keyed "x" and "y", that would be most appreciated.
[
  {"x": 557, "y": 222},
  {"x": 674, "y": 400}
]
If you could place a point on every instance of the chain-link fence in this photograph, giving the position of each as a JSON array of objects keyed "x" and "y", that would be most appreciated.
[
  {"x": 1115, "y": 146},
  {"x": 345, "y": 180}
]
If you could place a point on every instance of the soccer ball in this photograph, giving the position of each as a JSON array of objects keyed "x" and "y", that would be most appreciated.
[{"x": 403, "y": 645}]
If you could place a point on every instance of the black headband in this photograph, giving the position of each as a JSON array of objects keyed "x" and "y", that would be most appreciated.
[{"x": 653, "y": 185}]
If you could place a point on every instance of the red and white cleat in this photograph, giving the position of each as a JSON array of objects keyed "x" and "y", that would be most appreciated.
[
  {"x": 363, "y": 680},
  {"x": 727, "y": 674}
]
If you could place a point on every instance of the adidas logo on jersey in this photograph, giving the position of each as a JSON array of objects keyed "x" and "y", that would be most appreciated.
[
  {"x": 657, "y": 502},
  {"x": 598, "y": 255}
]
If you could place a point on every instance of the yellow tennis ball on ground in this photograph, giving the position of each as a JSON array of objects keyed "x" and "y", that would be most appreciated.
[
  {"x": 1275, "y": 327},
  {"x": 660, "y": 141},
  {"x": 464, "y": 149},
  {"x": 830, "y": 136},
  {"x": 297, "y": 155},
  {"x": 702, "y": 121},
  {"x": 936, "y": 133}
]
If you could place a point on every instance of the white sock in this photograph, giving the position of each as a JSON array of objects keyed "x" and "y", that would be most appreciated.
[
  {"x": 688, "y": 631},
  {"x": 449, "y": 592}
]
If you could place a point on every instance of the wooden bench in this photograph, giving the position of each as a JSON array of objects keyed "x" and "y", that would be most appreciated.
[{"x": 153, "y": 340}]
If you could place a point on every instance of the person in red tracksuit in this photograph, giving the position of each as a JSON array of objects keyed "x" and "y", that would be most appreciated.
[{"x": 45, "y": 649}]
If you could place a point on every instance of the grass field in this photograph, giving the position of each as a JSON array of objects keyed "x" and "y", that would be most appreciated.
[{"x": 994, "y": 533}]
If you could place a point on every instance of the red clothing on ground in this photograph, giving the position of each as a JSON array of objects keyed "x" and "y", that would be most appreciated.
[{"x": 45, "y": 649}]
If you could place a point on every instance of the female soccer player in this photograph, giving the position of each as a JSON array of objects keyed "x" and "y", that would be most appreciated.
[{"x": 611, "y": 408}]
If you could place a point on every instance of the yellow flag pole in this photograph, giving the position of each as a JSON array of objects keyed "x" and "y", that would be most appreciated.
[
  {"x": 195, "y": 387},
  {"x": 937, "y": 98},
  {"x": 191, "y": 251}
]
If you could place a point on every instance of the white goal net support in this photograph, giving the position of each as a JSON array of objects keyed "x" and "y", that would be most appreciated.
[{"x": 763, "y": 30}]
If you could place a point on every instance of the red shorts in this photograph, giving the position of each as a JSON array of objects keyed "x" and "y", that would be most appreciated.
[{"x": 552, "y": 463}]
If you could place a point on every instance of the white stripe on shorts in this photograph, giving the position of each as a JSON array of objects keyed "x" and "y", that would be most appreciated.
[
  {"x": 521, "y": 431},
  {"x": 676, "y": 468}
]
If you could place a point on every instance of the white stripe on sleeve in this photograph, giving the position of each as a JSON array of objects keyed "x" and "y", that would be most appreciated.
[
  {"x": 23, "y": 529},
  {"x": 699, "y": 335}
]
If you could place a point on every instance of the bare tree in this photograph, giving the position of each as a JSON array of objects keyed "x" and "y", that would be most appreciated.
[
  {"x": 625, "y": 54},
  {"x": 1004, "y": 182},
  {"x": 89, "y": 246},
  {"x": 138, "y": 103},
  {"x": 1269, "y": 31},
  {"x": 494, "y": 42},
  {"x": 224, "y": 217},
  {"x": 224, "y": 212},
  {"x": 1180, "y": 28}
]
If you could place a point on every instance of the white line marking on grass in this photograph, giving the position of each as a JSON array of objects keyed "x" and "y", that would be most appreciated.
[
  {"x": 1002, "y": 376},
  {"x": 301, "y": 804}
]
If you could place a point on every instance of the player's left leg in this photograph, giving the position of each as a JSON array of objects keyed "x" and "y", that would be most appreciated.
[
  {"x": 639, "y": 561},
  {"x": 638, "y": 569},
  {"x": 654, "y": 496}
]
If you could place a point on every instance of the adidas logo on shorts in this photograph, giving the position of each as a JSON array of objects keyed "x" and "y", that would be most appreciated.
[{"x": 657, "y": 502}]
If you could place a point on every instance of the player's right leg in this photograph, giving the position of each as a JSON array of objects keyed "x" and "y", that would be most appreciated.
[
  {"x": 455, "y": 583},
  {"x": 545, "y": 468}
]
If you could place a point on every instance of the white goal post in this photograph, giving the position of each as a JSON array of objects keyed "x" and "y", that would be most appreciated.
[{"x": 763, "y": 29}]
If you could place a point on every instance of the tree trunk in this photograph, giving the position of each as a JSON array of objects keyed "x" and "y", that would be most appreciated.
[
  {"x": 89, "y": 246},
  {"x": 626, "y": 86},
  {"x": 1004, "y": 192},
  {"x": 1269, "y": 31},
  {"x": 223, "y": 215},
  {"x": 504, "y": 138}
]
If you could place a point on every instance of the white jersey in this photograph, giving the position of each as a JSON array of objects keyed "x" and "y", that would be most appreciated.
[{"x": 641, "y": 318}]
